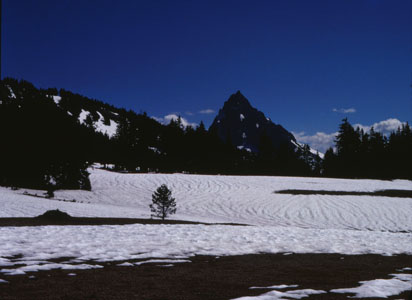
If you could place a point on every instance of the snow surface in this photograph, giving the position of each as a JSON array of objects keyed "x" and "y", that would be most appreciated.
[
  {"x": 282, "y": 286},
  {"x": 99, "y": 125},
  {"x": 12, "y": 94},
  {"x": 38, "y": 245},
  {"x": 311, "y": 150},
  {"x": 45, "y": 266},
  {"x": 243, "y": 147},
  {"x": 287, "y": 223},
  {"x": 155, "y": 150},
  {"x": 110, "y": 130},
  {"x": 278, "y": 295},
  {"x": 83, "y": 115},
  {"x": 163, "y": 261},
  {"x": 242, "y": 117},
  {"x": 228, "y": 199},
  {"x": 56, "y": 99},
  {"x": 380, "y": 287}
]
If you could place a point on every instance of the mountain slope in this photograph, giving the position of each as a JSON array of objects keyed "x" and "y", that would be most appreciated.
[
  {"x": 46, "y": 132},
  {"x": 245, "y": 126}
]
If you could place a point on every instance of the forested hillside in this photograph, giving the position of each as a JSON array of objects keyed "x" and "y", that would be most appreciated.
[{"x": 49, "y": 137}]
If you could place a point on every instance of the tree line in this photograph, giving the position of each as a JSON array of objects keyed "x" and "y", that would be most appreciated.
[{"x": 360, "y": 154}]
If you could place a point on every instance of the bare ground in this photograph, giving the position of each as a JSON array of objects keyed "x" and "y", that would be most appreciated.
[
  {"x": 381, "y": 193},
  {"x": 92, "y": 221},
  {"x": 208, "y": 277}
]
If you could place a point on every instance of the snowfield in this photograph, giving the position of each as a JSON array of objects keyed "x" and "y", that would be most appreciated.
[
  {"x": 228, "y": 199},
  {"x": 38, "y": 245},
  {"x": 281, "y": 223}
]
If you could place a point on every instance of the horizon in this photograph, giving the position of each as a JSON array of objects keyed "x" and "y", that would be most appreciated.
[{"x": 330, "y": 60}]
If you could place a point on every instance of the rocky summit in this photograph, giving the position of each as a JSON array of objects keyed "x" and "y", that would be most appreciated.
[{"x": 241, "y": 124}]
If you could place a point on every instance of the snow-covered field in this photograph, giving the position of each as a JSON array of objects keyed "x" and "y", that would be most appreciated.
[
  {"x": 235, "y": 199},
  {"x": 282, "y": 223},
  {"x": 111, "y": 243}
]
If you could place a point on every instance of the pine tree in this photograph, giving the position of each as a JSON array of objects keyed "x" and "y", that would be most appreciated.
[
  {"x": 329, "y": 164},
  {"x": 348, "y": 142},
  {"x": 163, "y": 202}
]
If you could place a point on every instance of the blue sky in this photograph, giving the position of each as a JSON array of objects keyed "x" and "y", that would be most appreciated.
[{"x": 305, "y": 64}]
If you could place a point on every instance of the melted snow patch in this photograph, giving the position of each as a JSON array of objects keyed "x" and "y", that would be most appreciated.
[
  {"x": 47, "y": 266},
  {"x": 12, "y": 94},
  {"x": 3, "y": 281},
  {"x": 126, "y": 264},
  {"x": 243, "y": 135},
  {"x": 243, "y": 147},
  {"x": 380, "y": 287},
  {"x": 56, "y": 99},
  {"x": 110, "y": 130},
  {"x": 154, "y": 149},
  {"x": 282, "y": 286},
  {"x": 278, "y": 295},
  {"x": 313, "y": 151},
  {"x": 257, "y": 125},
  {"x": 242, "y": 117},
  {"x": 83, "y": 115},
  {"x": 165, "y": 261}
]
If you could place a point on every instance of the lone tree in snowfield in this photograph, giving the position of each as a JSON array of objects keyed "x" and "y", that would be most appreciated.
[{"x": 163, "y": 202}]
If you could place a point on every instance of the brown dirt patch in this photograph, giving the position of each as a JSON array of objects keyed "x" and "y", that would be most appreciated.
[
  {"x": 381, "y": 193},
  {"x": 93, "y": 221},
  {"x": 208, "y": 277}
]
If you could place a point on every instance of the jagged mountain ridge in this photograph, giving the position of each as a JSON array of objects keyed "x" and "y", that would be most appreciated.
[{"x": 244, "y": 125}]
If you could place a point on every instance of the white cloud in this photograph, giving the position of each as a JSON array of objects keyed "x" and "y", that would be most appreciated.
[
  {"x": 166, "y": 120},
  {"x": 344, "y": 110},
  {"x": 189, "y": 113},
  {"x": 322, "y": 141},
  {"x": 207, "y": 111},
  {"x": 385, "y": 127}
]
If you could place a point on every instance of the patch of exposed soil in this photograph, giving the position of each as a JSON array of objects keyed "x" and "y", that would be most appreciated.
[
  {"x": 61, "y": 220},
  {"x": 208, "y": 278},
  {"x": 381, "y": 193}
]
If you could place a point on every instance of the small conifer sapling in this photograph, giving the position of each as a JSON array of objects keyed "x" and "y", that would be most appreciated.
[{"x": 163, "y": 204}]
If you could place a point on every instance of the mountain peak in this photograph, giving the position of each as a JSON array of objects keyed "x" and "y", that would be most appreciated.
[
  {"x": 244, "y": 125},
  {"x": 237, "y": 100}
]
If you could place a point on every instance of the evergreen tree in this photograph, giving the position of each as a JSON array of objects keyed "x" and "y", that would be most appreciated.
[
  {"x": 399, "y": 151},
  {"x": 348, "y": 149},
  {"x": 163, "y": 204},
  {"x": 329, "y": 165}
]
